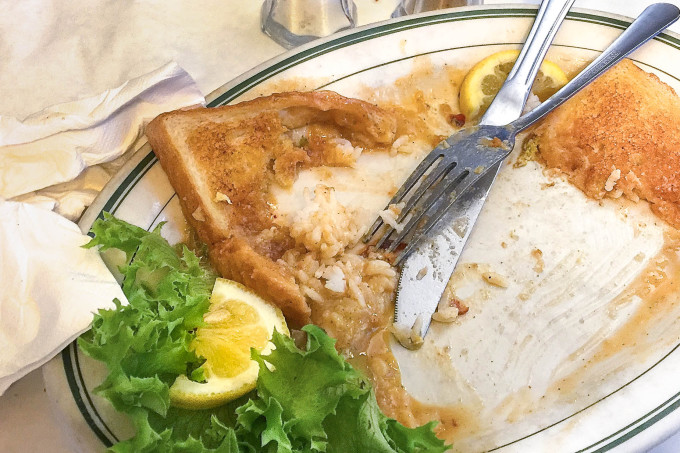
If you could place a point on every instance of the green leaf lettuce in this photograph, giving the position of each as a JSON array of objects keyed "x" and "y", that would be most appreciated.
[{"x": 307, "y": 400}]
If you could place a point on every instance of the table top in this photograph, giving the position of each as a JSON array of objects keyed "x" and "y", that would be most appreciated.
[{"x": 56, "y": 51}]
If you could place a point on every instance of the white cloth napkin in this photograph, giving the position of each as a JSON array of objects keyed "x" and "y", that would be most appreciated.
[
  {"x": 51, "y": 286},
  {"x": 55, "y": 145}
]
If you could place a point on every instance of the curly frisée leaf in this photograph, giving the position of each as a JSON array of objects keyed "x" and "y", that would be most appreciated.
[
  {"x": 145, "y": 344},
  {"x": 182, "y": 431},
  {"x": 308, "y": 400},
  {"x": 314, "y": 400},
  {"x": 359, "y": 425},
  {"x": 307, "y": 384}
]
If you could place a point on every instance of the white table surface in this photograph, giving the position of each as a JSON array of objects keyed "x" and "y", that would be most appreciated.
[{"x": 55, "y": 51}]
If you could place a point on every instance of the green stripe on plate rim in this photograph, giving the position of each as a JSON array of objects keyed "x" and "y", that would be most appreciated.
[
  {"x": 645, "y": 420},
  {"x": 638, "y": 426},
  {"x": 390, "y": 28},
  {"x": 129, "y": 183},
  {"x": 387, "y": 63},
  {"x": 77, "y": 385}
]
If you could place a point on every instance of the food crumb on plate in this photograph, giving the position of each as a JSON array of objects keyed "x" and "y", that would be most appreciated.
[{"x": 495, "y": 279}]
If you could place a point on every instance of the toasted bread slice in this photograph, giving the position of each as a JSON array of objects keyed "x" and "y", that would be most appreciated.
[
  {"x": 223, "y": 161},
  {"x": 619, "y": 136}
]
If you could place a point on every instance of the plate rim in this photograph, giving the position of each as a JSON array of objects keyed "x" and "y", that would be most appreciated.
[
  {"x": 238, "y": 85},
  {"x": 143, "y": 156}
]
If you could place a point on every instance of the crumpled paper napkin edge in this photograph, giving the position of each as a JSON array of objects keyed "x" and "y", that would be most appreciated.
[
  {"x": 170, "y": 81},
  {"x": 7, "y": 381},
  {"x": 62, "y": 140},
  {"x": 88, "y": 268}
]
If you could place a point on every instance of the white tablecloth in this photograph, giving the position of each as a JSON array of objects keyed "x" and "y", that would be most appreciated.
[{"x": 55, "y": 51}]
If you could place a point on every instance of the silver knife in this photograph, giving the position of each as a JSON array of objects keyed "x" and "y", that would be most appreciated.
[{"x": 427, "y": 270}]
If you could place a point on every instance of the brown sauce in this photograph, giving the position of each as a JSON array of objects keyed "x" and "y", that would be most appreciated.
[
  {"x": 429, "y": 96},
  {"x": 657, "y": 288},
  {"x": 419, "y": 99},
  {"x": 397, "y": 403}
]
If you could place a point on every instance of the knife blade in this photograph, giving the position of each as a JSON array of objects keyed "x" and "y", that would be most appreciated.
[{"x": 426, "y": 271}]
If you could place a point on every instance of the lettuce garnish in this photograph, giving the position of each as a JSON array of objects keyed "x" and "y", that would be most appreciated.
[
  {"x": 308, "y": 400},
  {"x": 313, "y": 400}
]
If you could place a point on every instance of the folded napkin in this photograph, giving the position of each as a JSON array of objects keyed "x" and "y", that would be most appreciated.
[
  {"x": 51, "y": 287},
  {"x": 55, "y": 145},
  {"x": 53, "y": 160}
]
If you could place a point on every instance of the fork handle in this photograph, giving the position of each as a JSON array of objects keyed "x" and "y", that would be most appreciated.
[
  {"x": 512, "y": 96},
  {"x": 653, "y": 20}
]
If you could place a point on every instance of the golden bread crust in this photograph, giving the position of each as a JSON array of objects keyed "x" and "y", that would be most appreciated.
[
  {"x": 236, "y": 260},
  {"x": 620, "y": 135},
  {"x": 222, "y": 162}
]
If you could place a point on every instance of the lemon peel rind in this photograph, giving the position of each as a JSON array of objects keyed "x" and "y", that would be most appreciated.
[
  {"x": 472, "y": 99},
  {"x": 218, "y": 390}
]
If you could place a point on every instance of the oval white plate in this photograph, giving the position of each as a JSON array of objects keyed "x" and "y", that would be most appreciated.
[{"x": 631, "y": 416}]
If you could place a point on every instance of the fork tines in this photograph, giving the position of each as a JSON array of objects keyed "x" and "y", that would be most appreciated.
[
  {"x": 424, "y": 192},
  {"x": 435, "y": 184}
]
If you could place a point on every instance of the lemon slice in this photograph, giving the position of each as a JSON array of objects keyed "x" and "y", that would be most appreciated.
[
  {"x": 236, "y": 321},
  {"x": 485, "y": 78}
]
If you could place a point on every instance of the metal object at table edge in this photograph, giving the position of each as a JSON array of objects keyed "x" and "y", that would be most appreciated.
[{"x": 292, "y": 23}]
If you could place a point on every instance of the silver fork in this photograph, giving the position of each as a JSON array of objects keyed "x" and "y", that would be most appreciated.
[
  {"x": 465, "y": 157},
  {"x": 418, "y": 295}
]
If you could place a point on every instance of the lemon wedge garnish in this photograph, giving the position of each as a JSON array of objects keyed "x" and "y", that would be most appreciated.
[
  {"x": 236, "y": 321},
  {"x": 485, "y": 78}
]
